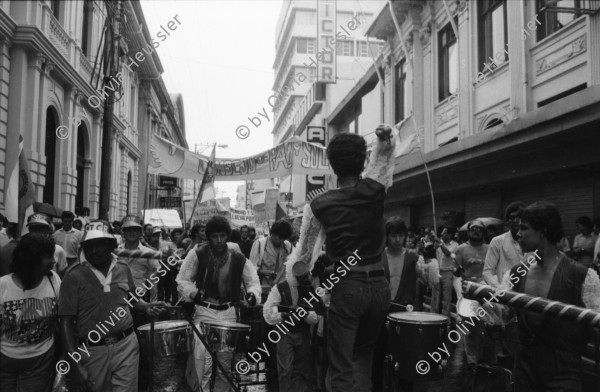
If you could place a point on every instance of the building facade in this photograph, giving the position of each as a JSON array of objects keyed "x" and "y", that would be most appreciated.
[
  {"x": 51, "y": 77},
  {"x": 502, "y": 96},
  {"x": 304, "y": 42}
]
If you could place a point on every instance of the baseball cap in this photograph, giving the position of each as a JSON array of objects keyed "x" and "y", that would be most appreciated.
[
  {"x": 38, "y": 219},
  {"x": 156, "y": 230},
  {"x": 131, "y": 221},
  {"x": 97, "y": 229}
]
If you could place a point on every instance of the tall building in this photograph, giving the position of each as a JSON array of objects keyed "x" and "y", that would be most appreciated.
[
  {"x": 504, "y": 97},
  {"x": 321, "y": 53},
  {"x": 52, "y": 94}
]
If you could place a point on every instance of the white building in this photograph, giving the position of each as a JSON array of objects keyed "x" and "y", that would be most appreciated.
[
  {"x": 50, "y": 58},
  {"x": 303, "y": 101}
]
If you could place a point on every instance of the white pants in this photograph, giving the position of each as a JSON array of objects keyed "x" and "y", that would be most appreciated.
[{"x": 200, "y": 356}]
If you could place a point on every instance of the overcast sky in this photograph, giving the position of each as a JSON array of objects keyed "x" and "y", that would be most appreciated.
[{"x": 220, "y": 58}]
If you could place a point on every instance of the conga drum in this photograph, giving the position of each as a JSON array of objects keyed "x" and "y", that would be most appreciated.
[{"x": 411, "y": 336}]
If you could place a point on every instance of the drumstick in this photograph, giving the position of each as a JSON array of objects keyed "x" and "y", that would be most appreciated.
[
  {"x": 533, "y": 304},
  {"x": 143, "y": 254}
]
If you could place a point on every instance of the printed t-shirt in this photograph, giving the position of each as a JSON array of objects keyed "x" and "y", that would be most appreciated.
[
  {"x": 28, "y": 317},
  {"x": 471, "y": 258}
]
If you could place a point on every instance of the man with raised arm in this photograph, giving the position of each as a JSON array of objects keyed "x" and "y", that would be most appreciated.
[{"x": 349, "y": 220}]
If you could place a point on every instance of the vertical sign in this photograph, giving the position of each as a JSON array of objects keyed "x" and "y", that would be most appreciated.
[
  {"x": 249, "y": 189},
  {"x": 315, "y": 184},
  {"x": 326, "y": 56}
]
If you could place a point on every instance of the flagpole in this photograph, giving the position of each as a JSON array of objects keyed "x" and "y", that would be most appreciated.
[
  {"x": 146, "y": 197},
  {"x": 401, "y": 39},
  {"x": 201, "y": 188}
]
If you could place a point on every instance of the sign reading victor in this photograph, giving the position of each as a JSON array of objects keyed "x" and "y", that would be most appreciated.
[
  {"x": 167, "y": 182},
  {"x": 315, "y": 184},
  {"x": 327, "y": 64}
]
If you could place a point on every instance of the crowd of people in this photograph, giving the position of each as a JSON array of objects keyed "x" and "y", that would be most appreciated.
[{"x": 80, "y": 292}]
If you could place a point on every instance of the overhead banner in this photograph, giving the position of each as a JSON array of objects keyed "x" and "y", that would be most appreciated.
[
  {"x": 293, "y": 156},
  {"x": 172, "y": 160}
]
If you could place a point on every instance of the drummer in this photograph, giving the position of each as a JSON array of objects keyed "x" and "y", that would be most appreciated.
[
  {"x": 211, "y": 276},
  {"x": 96, "y": 292},
  {"x": 294, "y": 367}
]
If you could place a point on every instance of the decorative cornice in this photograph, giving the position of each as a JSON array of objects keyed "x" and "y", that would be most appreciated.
[
  {"x": 36, "y": 60},
  {"x": 48, "y": 67},
  {"x": 561, "y": 55}
]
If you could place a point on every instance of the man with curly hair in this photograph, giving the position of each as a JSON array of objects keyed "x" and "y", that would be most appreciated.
[{"x": 349, "y": 220}]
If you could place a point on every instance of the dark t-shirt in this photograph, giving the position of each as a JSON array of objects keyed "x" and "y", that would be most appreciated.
[
  {"x": 83, "y": 296},
  {"x": 471, "y": 259},
  {"x": 245, "y": 247},
  {"x": 353, "y": 219},
  {"x": 6, "y": 257}
]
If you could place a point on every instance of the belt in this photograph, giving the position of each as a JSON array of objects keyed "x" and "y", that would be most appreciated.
[
  {"x": 366, "y": 274},
  {"x": 209, "y": 305},
  {"x": 110, "y": 339}
]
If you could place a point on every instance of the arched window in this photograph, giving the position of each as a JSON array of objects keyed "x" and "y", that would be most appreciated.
[
  {"x": 129, "y": 185},
  {"x": 50, "y": 153}
]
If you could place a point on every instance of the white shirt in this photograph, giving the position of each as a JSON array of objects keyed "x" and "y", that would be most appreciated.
[
  {"x": 271, "y": 313},
  {"x": 503, "y": 253},
  {"x": 104, "y": 280},
  {"x": 28, "y": 317},
  {"x": 187, "y": 275},
  {"x": 69, "y": 240}
]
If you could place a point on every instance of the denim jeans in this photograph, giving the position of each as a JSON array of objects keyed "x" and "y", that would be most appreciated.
[
  {"x": 294, "y": 362},
  {"x": 27, "y": 374},
  {"x": 356, "y": 316},
  {"x": 446, "y": 291}
]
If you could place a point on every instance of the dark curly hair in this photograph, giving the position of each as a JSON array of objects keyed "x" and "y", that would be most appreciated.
[
  {"x": 282, "y": 229},
  {"x": 395, "y": 225},
  {"x": 217, "y": 224},
  {"x": 346, "y": 153},
  {"x": 585, "y": 222},
  {"x": 544, "y": 216},
  {"x": 28, "y": 255}
]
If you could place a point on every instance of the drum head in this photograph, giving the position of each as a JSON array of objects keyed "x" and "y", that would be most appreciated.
[
  {"x": 226, "y": 325},
  {"x": 165, "y": 325},
  {"x": 466, "y": 307},
  {"x": 418, "y": 318}
]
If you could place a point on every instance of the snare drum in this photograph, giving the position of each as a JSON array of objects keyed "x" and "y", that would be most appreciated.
[
  {"x": 170, "y": 337},
  {"x": 411, "y": 336},
  {"x": 223, "y": 336}
]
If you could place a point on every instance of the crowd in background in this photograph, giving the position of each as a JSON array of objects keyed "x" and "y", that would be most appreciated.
[{"x": 419, "y": 263}]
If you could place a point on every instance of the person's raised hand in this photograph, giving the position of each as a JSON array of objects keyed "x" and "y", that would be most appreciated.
[{"x": 384, "y": 133}]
